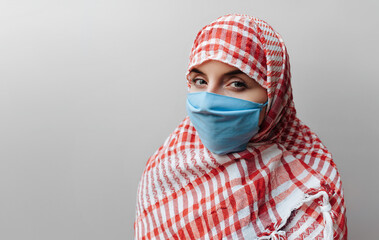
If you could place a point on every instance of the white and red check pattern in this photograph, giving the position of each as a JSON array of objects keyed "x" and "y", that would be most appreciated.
[{"x": 285, "y": 185}]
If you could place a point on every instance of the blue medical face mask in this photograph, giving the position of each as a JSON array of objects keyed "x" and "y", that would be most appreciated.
[{"x": 224, "y": 124}]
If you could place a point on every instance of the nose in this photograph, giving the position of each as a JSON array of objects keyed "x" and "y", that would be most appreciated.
[{"x": 213, "y": 87}]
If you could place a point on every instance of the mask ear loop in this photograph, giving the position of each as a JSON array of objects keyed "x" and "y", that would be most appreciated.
[
  {"x": 266, "y": 111},
  {"x": 264, "y": 105}
]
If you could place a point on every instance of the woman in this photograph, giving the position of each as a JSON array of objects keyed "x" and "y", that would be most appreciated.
[{"x": 242, "y": 165}]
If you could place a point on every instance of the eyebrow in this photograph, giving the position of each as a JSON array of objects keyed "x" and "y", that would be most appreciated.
[{"x": 226, "y": 74}]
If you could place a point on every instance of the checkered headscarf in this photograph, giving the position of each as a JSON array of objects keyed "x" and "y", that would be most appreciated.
[{"x": 285, "y": 185}]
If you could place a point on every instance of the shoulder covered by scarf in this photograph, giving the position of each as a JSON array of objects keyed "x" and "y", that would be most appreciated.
[{"x": 285, "y": 185}]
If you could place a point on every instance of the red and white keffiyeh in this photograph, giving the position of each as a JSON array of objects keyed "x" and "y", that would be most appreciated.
[{"x": 285, "y": 185}]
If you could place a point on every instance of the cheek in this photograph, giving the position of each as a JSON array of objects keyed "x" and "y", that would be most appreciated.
[
  {"x": 260, "y": 95},
  {"x": 191, "y": 88},
  {"x": 253, "y": 95}
]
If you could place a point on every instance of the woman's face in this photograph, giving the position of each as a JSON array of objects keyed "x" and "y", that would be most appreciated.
[{"x": 221, "y": 78}]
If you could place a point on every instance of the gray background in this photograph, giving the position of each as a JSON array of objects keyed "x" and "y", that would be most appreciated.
[{"x": 90, "y": 89}]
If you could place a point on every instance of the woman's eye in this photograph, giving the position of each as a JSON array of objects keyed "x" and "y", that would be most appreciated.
[
  {"x": 199, "y": 82},
  {"x": 239, "y": 85}
]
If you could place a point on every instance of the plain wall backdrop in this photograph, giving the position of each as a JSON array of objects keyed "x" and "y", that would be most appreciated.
[{"x": 90, "y": 89}]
